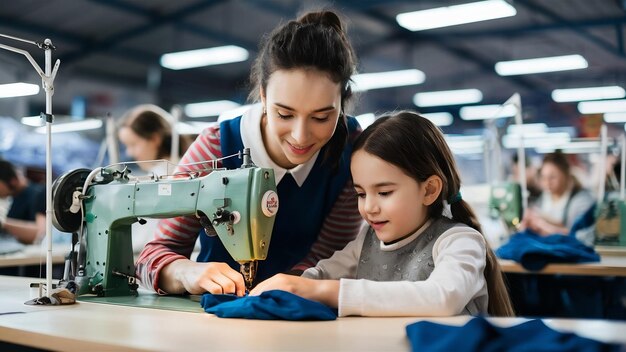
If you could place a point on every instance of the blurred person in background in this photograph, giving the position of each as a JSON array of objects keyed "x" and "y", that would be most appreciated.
[
  {"x": 26, "y": 216},
  {"x": 146, "y": 132},
  {"x": 562, "y": 201}
]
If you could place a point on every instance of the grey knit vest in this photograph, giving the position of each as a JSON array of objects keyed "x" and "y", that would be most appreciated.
[{"x": 412, "y": 262}]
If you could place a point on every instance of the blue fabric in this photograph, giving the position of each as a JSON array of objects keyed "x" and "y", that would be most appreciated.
[
  {"x": 269, "y": 305},
  {"x": 534, "y": 252},
  {"x": 480, "y": 335},
  {"x": 301, "y": 212}
]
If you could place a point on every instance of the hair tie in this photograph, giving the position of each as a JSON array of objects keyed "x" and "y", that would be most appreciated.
[{"x": 455, "y": 198}]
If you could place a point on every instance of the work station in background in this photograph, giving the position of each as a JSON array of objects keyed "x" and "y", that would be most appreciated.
[{"x": 561, "y": 226}]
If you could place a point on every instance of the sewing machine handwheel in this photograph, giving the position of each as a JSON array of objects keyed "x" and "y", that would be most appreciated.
[{"x": 62, "y": 192}]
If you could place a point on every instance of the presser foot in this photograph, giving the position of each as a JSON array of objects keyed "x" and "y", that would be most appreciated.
[{"x": 248, "y": 270}]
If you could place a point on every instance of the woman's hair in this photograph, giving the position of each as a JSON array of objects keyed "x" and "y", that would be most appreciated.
[
  {"x": 559, "y": 160},
  {"x": 316, "y": 40},
  {"x": 147, "y": 121},
  {"x": 416, "y": 146},
  {"x": 7, "y": 172}
]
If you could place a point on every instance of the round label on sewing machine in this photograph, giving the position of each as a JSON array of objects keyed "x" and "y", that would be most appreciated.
[{"x": 269, "y": 203}]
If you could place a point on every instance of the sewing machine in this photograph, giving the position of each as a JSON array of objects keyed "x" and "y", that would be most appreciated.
[
  {"x": 100, "y": 206},
  {"x": 505, "y": 202}
]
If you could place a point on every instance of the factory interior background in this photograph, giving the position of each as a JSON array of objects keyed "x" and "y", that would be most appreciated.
[{"x": 112, "y": 58}]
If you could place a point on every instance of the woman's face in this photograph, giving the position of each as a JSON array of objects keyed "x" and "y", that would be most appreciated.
[
  {"x": 303, "y": 108},
  {"x": 553, "y": 179},
  {"x": 139, "y": 148}
]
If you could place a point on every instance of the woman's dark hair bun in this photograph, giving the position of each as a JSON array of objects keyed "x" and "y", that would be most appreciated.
[{"x": 326, "y": 18}]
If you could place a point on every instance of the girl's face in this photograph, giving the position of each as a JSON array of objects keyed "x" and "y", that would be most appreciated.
[
  {"x": 553, "y": 179},
  {"x": 138, "y": 148},
  {"x": 391, "y": 202},
  {"x": 303, "y": 108}
]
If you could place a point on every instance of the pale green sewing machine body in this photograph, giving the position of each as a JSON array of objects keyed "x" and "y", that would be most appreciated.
[{"x": 245, "y": 197}]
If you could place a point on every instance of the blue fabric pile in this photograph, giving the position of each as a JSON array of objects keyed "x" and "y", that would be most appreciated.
[
  {"x": 534, "y": 252},
  {"x": 480, "y": 335},
  {"x": 269, "y": 305}
]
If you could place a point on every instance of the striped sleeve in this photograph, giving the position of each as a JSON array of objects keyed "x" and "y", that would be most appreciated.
[
  {"x": 340, "y": 227},
  {"x": 175, "y": 237}
]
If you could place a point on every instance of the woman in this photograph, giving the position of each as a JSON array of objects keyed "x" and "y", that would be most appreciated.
[
  {"x": 562, "y": 201},
  {"x": 301, "y": 77},
  {"x": 146, "y": 132}
]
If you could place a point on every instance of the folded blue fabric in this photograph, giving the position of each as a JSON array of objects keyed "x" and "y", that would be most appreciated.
[
  {"x": 480, "y": 335},
  {"x": 269, "y": 305},
  {"x": 534, "y": 252}
]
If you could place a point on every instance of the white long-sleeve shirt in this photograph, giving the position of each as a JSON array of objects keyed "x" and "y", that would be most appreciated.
[{"x": 459, "y": 256}]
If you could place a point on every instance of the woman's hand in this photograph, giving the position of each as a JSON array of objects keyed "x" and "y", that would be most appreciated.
[
  {"x": 197, "y": 278},
  {"x": 539, "y": 225},
  {"x": 323, "y": 291}
]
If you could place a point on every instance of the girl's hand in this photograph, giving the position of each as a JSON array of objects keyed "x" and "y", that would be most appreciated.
[
  {"x": 323, "y": 291},
  {"x": 294, "y": 284}
]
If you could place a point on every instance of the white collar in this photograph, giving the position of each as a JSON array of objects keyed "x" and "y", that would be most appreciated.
[
  {"x": 252, "y": 138},
  {"x": 397, "y": 245}
]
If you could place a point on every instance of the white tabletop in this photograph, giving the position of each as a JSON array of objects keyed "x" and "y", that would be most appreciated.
[{"x": 95, "y": 326}]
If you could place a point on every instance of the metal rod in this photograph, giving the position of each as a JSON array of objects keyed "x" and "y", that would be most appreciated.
[
  {"x": 49, "y": 92},
  {"x": 602, "y": 166},
  {"x": 47, "y": 82},
  {"x": 20, "y": 39},
  {"x": 176, "y": 112},
  {"x": 622, "y": 170}
]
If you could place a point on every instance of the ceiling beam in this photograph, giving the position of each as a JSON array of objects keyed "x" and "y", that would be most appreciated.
[
  {"x": 553, "y": 16},
  {"x": 154, "y": 22}
]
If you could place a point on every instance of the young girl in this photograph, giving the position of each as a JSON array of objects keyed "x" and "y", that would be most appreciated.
[{"x": 409, "y": 258}]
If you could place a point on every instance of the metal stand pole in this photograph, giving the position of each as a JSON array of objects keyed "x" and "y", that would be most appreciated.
[{"x": 47, "y": 82}]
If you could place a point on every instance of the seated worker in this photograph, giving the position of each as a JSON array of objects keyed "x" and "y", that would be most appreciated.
[
  {"x": 146, "y": 133},
  {"x": 26, "y": 218},
  {"x": 562, "y": 201}
]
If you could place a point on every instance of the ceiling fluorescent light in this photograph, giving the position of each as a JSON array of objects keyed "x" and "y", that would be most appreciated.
[
  {"x": 448, "y": 97},
  {"x": 236, "y": 112},
  {"x": 34, "y": 121},
  {"x": 365, "y": 119},
  {"x": 527, "y": 129},
  {"x": 18, "y": 90},
  {"x": 602, "y": 106},
  {"x": 83, "y": 125},
  {"x": 368, "y": 81},
  {"x": 209, "y": 108},
  {"x": 192, "y": 127},
  {"x": 592, "y": 93},
  {"x": 486, "y": 112},
  {"x": 439, "y": 118},
  {"x": 455, "y": 15},
  {"x": 539, "y": 65},
  {"x": 615, "y": 117},
  {"x": 465, "y": 144},
  {"x": 204, "y": 57},
  {"x": 544, "y": 140},
  {"x": 572, "y": 147}
]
